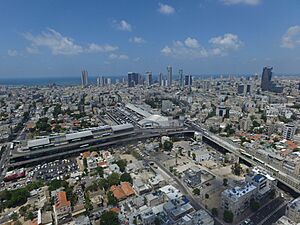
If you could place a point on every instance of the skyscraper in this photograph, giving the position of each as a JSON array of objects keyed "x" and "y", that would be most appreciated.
[
  {"x": 160, "y": 77},
  {"x": 101, "y": 81},
  {"x": 84, "y": 78},
  {"x": 266, "y": 78},
  {"x": 149, "y": 78},
  {"x": 169, "y": 78},
  {"x": 188, "y": 80},
  {"x": 181, "y": 83},
  {"x": 133, "y": 79},
  {"x": 266, "y": 81}
]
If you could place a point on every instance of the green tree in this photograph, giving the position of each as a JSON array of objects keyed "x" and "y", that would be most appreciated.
[
  {"x": 126, "y": 177},
  {"x": 103, "y": 184},
  {"x": 100, "y": 171},
  {"x": 194, "y": 156},
  {"x": 111, "y": 199},
  {"x": 168, "y": 145},
  {"x": 109, "y": 218},
  {"x": 113, "y": 179},
  {"x": 237, "y": 169},
  {"x": 206, "y": 196},
  {"x": 122, "y": 163},
  {"x": 43, "y": 125},
  {"x": 14, "y": 216},
  {"x": 57, "y": 110},
  {"x": 225, "y": 182},
  {"x": 196, "y": 191},
  {"x": 30, "y": 216},
  {"x": 214, "y": 211},
  {"x": 228, "y": 216}
]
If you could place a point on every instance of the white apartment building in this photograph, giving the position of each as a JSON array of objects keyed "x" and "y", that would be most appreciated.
[{"x": 237, "y": 199}]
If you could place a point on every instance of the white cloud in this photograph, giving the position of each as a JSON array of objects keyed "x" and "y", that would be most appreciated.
[
  {"x": 58, "y": 44},
  {"x": 93, "y": 48},
  {"x": 13, "y": 53},
  {"x": 190, "y": 47},
  {"x": 137, "y": 40},
  {"x": 291, "y": 38},
  {"x": 245, "y": 2},
  {"x": 222, "y": 44},
  {"x": 122, "y": 25},
  {"x": 191, "y": 43},
  {"x": 118, "y": 56},
  {"x": 61, "y": 45},
  {"x": 165, "y": 9}
]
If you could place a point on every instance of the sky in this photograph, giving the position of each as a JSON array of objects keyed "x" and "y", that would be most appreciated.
[{"x": 59, "y": 38}]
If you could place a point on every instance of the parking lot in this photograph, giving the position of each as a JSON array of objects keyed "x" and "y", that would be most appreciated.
[
  {"x": 53, "y": 170},
  {"x": 121, "y": 115}
]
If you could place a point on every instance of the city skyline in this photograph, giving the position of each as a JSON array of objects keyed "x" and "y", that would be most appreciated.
[{"x": 206, "y": 37}]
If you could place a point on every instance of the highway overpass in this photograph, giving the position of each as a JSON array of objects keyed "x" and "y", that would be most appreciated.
[
  {"x": 28, "y": 158},
  {"x": 224, "y": 145}
]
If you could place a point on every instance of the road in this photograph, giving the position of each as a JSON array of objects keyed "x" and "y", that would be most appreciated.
[
  {"x": 272, "y": 218},
  {"x": 266, "y": 211}
]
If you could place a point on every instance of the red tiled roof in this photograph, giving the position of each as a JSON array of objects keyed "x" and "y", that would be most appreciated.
[
  {"x": 126, "y": 187},
  {"x": 115, "y": 209},
  {"x": 122, "y": 191},
  {"x": 62, "y": 199}
]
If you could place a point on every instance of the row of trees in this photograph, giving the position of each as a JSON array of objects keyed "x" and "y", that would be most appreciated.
[{"x": 18, "y": 197}]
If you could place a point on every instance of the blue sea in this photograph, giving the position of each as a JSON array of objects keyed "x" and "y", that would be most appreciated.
[
  {"x": 43, "y": 81},
  {"x": 67, "y": 81},
  {"x": 62, "y": 81}
]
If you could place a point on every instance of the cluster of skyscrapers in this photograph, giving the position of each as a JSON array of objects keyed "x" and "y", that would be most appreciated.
[{"x": 167, "y": 81}]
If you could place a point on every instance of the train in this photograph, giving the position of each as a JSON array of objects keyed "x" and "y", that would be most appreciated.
[{"x": 91, "y": 133}]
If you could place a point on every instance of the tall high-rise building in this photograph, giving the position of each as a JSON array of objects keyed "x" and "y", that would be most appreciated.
[
  {"x": 241, "y": 89},
  {"x": 100, "y": 81},
  {"x": 133, "y": 79},
  {"x": 266, "y": 81},
  {"x": 188, "y": 80},
  {"x": 108, "y": 81},
  {"x": 149, "y": 81},
  {"x": 266, "y": 78},
  {"x": 169, "y": 78},
  {"x": 84, "y": 78},
  {"x": 181, "y": 83},
  {"x": 160, "y": 79}
]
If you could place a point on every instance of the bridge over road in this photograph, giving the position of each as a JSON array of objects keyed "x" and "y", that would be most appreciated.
[{"x": 222, "y": 144}]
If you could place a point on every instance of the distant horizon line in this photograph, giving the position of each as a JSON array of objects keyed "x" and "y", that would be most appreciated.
[{"x": 118, "y": 76}]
